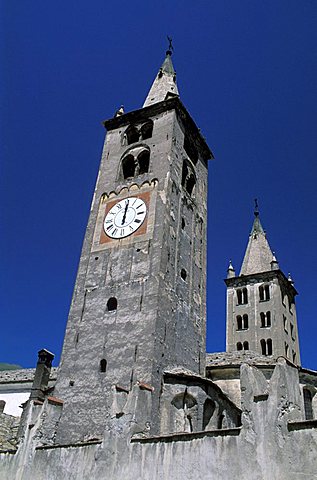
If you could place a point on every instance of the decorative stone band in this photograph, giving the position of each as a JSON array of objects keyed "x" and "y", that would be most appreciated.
[
  {"x": 67, "y": 445},
  {"x": 188, "y": 436}
]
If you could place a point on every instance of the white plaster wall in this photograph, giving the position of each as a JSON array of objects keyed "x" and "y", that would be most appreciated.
[{"x": 13, "y": 402}]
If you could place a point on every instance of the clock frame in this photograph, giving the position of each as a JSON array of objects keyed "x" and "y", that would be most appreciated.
[{"x": 102, "y": 241}]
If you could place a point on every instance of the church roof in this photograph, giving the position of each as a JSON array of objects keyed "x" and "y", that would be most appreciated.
[
  {"x": 164, "y": 83},
  {"x": 258, "y": 255}
]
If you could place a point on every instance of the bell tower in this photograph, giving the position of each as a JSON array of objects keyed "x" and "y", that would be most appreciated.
[
  {"x": 139, "y": 302},
  {"x": 261, "y": 312}
]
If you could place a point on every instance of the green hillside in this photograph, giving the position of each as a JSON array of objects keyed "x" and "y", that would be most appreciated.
[{"x": 9, "y": 366}]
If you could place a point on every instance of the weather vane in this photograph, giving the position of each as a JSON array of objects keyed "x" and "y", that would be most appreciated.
[{"x": 170, "y": 46}]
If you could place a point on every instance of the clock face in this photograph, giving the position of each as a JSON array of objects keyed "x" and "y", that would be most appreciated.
[{"x": 125, "y": 217}]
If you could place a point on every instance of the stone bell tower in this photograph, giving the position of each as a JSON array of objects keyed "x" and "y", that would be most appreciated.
[
  {"x": 261, "y": 312},
  {"x": 139, "y": 301}
]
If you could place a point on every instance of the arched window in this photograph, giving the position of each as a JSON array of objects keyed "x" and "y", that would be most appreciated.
[
  {"x": 187, "y": 405},
  {"x": 132, "y": 134},
  {"x": 135, "y": 162},
  {"x": 239, "y": 297},
  {"x": 242, "y": 296},
  {"x": 103, "y": 365},
  {"x": 190, "y": 184},
  {"x": 209, "y": 409},
  {"x": 220, "y": 421},
  {"x": 245, "y": 345},
  {"x": 146, "y": 130},
  {"x": 265, "y": 319},
  {"x": 308, "y": 404},
  {"x": 245, "y": 295},
  {"x": 144, "y": 161},
  {"x": 128, "y": 166},
  {"x": 112, "y": 304},
  {"x": 263, "y": 346},
  {"x": 239, "y": 346},
  {"x": 267, "y": 292},
  {"x": 269, "y": 346},
  {"x": 190, "y": 149},
  {"x": 188, "y": 178},
  {"x": 266, "y": 346},
  {"x": 184, "y": 173},
  {"x": 264, "y": 293},
  {"x": 242, "y": 322}
]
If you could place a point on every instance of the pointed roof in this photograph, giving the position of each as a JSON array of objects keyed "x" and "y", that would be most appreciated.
[
  {"x": 164, "y": 83},
  {"x": 230, "y": 271},
  {"x": 258, "y": 255}
]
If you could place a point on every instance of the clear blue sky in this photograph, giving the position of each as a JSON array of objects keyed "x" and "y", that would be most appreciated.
[{"x": 247, "y": 74}]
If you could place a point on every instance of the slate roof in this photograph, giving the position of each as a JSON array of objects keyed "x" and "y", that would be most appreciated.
[
  {"x": 164, "y": 83},
  {"x": 22, "y": 375},
  {"x": 236, "y": 358},
  {"x": 258, "y": 255}
]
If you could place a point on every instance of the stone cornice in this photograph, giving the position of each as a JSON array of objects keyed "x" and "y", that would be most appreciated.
[
  {"x": 243, "y": 280},
  {"x": 172, "y": 103}
]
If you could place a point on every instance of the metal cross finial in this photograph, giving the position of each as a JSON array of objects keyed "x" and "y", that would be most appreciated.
[
  {"x": 256, "y": 207},
  {"x": 170, "y": 46}
]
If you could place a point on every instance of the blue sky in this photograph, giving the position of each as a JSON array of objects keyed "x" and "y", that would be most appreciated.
[{"x": 247, "y": 74}]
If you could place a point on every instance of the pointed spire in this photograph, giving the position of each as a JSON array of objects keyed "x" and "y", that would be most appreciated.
[
  {"x": 291, "y": 281},
  {"x": 119, "y": 112},
  {"x": 231, "y": 272},
  {"x": 165, "y": 81},
  {"x": 258, "y": 255}
]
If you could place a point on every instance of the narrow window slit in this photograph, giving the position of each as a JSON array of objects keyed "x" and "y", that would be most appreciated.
[
  {"x": 103, "y": 365},
  {"x": 112, "y": 304}
]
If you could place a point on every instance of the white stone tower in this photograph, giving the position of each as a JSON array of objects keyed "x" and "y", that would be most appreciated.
[
  {"x": 261, "y": 312},
  {"x": 139, "y": 300}
]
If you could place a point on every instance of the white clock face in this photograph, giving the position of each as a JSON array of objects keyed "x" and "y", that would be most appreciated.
[{"x": 125, "y": 217}]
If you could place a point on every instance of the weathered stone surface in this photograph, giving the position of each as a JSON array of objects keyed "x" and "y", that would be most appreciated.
[{"x": 8, "y": 431}]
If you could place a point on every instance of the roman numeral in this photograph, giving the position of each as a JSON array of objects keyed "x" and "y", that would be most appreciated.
[
  {"x": 141, "y": 205},
  {"x": 122, "y": 232},
  {"x": 114, "y": 232},
  {"x": 137, "y": 220},
  {"x": 140, "y": 213},
  {"x": 109, "y": 228}
]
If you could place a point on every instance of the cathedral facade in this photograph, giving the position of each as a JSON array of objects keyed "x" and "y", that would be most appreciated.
[{"x": 135, "y": 395}]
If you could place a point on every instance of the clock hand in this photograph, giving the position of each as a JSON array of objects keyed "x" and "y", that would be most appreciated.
[{"x": 125, "y": 212}]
